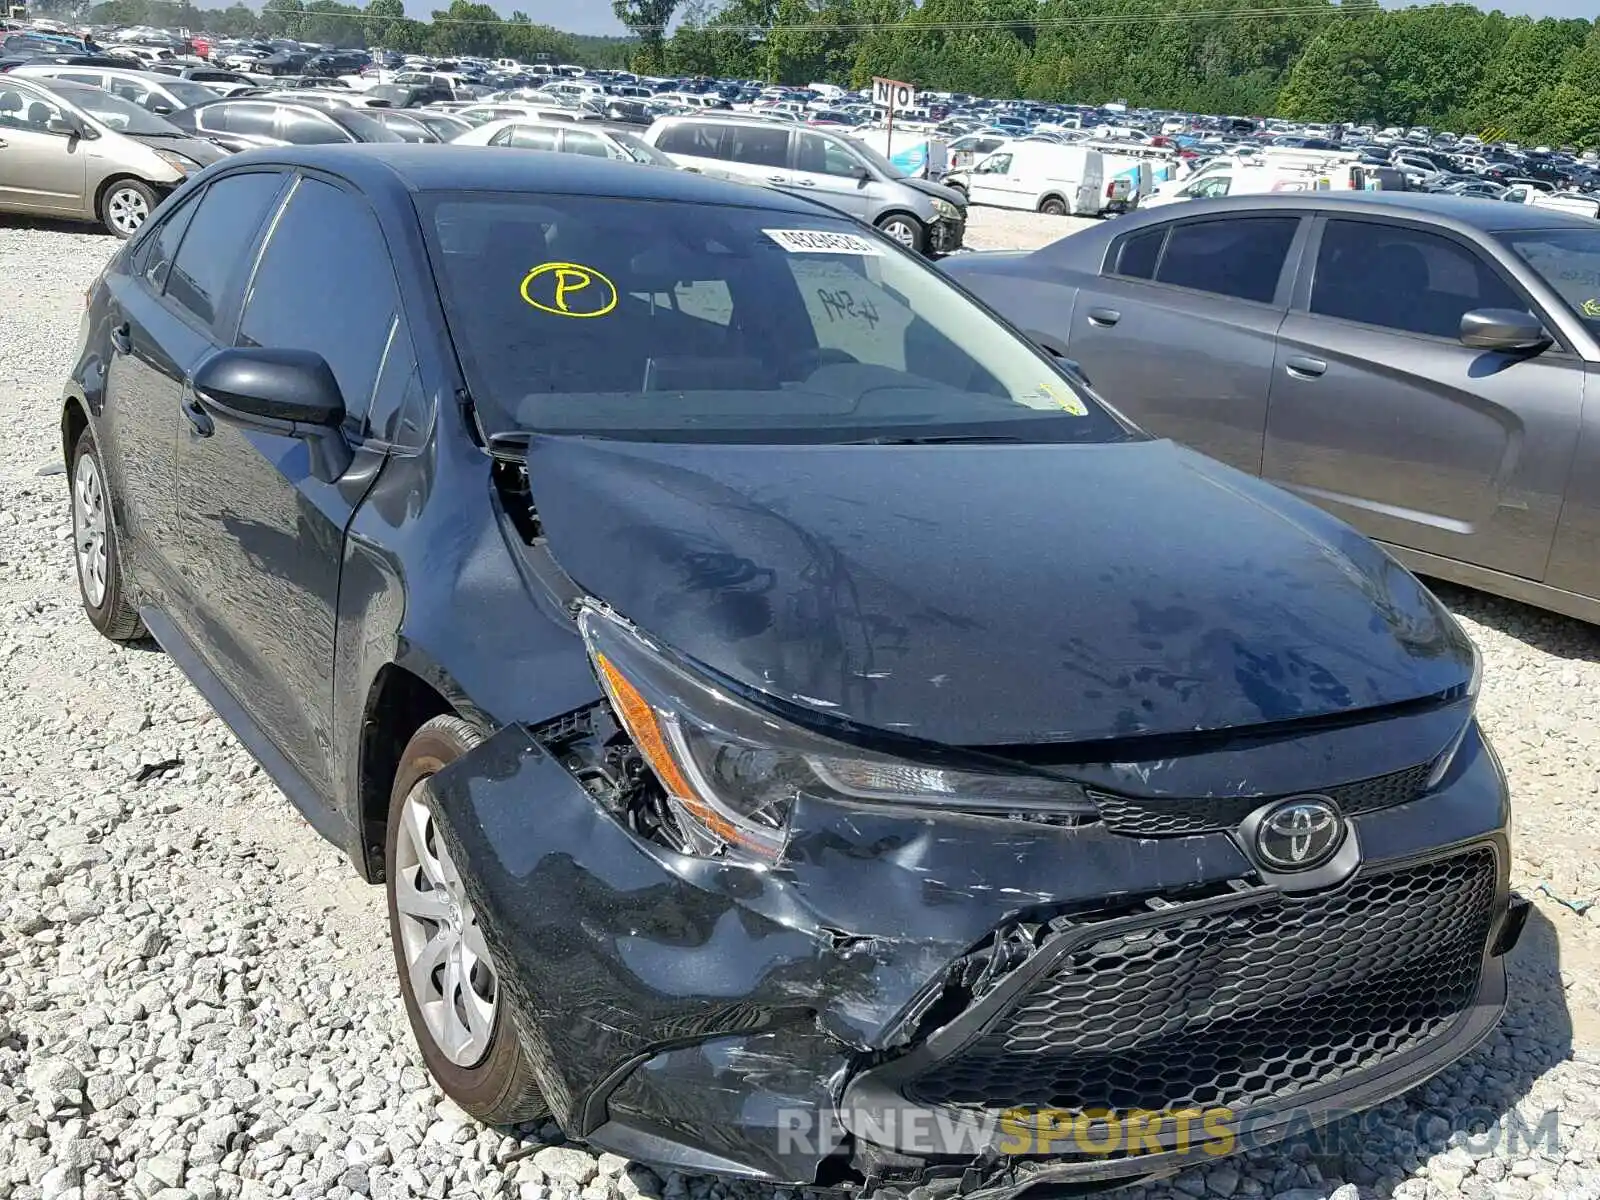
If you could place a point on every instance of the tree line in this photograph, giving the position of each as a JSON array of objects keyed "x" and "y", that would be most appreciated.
[{"x": 1446, "y": 66}]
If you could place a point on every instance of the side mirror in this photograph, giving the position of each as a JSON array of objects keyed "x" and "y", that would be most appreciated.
[
  {"x": 161, "y": 107},
  {"x": 1506, "y": 330},
  {"x": 861, "y": 174},
  {"x": 61, "y": 125},
  {"x": 288, "y": 392}
]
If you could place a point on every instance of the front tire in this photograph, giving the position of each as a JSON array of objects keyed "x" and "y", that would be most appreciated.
[
  {"x": 906, "y": 230},
  {"x": 94, "y": 543},
  {"x": 448, "y": 977},
  {"x": 126, "y": 206}
]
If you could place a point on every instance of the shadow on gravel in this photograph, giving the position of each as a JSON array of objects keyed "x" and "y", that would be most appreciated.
[
  {"x": 1478, "y": 1109},
  {"x": 52, "y": 225},
  {"x": 1561, "y": 637}
]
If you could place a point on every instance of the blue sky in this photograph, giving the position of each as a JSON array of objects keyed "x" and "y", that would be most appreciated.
[{"x": 594, "y": 16}]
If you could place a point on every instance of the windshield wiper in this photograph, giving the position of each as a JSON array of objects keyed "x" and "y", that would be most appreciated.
[{"x": 935, "y": 439}]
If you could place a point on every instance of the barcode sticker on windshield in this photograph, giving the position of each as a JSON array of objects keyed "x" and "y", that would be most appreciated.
[{"x": 822, "y": 241}]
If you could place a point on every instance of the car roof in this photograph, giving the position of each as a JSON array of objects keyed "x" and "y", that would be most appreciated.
[
  {"x": 1464, "y": 213},
  {"x": 451, "y": 168}
]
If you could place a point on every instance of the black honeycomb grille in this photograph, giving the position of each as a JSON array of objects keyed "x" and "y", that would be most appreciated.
[
  {"x": 1240, "y": 1008},
  {"x": 1178, "y": 815}
]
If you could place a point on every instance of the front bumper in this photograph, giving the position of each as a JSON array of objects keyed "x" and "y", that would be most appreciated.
[
  {"x": 946, "y": 236},
  {"x": 785, "y": 1025}
]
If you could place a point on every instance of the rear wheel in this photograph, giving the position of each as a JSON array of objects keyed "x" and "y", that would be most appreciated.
[
  {"x": 126, "y": 205},
  {"x": 448, "y": 977},
  {"x": 903, "y": 229},
  {"x": 1053, "y": 206},
  {"x": 94, "y": 544}
]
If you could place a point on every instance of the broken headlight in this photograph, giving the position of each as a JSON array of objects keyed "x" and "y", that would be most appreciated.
[{"x": 732, "y": 771}]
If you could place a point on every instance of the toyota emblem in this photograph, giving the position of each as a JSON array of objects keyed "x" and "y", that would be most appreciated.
[{"x": 1301, "y": 833}]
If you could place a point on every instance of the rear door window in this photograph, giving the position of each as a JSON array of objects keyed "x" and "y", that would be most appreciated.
[
  {"x": 157, "y": 254},
  {"x": 762, "y": 146},
  {"x": 1241, "y": 257},
  {"x": 1136, "y": 255},
  {"x": 301, "y": 128},
  {"x": 694, "y": 140},
  {"x": 528, "y": 137},
  {"x": 252, "y": 120},
  {"x": 579, "y": 141},
  {"x": 218, "y": 241}
]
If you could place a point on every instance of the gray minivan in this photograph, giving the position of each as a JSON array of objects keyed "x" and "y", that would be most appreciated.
[{"x": 824, "y": 165}]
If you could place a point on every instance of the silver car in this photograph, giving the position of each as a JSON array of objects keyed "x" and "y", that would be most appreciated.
[
  {"x": 70, "y": 150},
  {"x": 825, "y": 166},
  {"x": 1417, "y": 364},
  {"x": 161, "y": 94}
]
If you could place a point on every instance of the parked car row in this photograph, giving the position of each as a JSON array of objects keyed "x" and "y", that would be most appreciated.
[{"x": 123, "y": 181}]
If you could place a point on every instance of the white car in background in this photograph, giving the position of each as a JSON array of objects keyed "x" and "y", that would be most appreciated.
[
  {"x": 157, "y": 93},
  {"x": 523, "y": 133}
]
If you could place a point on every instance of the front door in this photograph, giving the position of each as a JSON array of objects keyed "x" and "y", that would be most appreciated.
[
  {"x": 1178, "y": 331},
  {"x": 1382, "y": 416},
  {"x": 41, "y": 161},
  {"x": 827, "y": 171},
  {"x": 264, "y": 535},
  {"x": 990, "y": 181}
]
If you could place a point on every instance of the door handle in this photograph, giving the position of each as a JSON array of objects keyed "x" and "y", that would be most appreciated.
[
  {"x": 777, "y": 179},
  {"x": 1104, "y": 317},
  {"x": 1302, "y": 367},
  {"x": 806, "y": 182},
  {"x": 122, "y": 338},
  {"x": 4, "y": 143},
  {"x": 200, "y": 421}
]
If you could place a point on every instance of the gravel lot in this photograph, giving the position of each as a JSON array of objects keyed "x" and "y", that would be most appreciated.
[{"x": 196, "y": 995}]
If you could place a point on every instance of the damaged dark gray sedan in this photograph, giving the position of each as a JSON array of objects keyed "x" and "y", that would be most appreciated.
[{"x": 804, "y": 734}]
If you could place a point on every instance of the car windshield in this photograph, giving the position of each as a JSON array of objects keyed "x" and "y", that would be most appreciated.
[
  {"x": 1568, "y": 260},
  {"x": 116, "y": 113},
  {"x": 640, "y": 150},
  {"x": 664, "y": 320},
  {"x": 189, "y": 92}
]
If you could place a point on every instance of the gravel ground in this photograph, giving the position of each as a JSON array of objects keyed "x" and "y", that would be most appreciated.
[
  {"x": 1010, "y": 229},
  {"x": 196, "y": 995}
]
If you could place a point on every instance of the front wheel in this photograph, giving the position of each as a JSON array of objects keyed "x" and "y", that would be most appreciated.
[
  {"x": 449, "y": 980},
  {"x": 905, "y": 230},
  {"x": 126, "y": 206}
]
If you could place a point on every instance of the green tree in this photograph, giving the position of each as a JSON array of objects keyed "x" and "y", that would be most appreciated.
[
  {"x": 648, "y": 20},
  {"x": 282, "y": 18}
]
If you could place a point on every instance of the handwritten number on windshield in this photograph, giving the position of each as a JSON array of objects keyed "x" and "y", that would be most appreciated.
[{"x": 842, "y": 306}]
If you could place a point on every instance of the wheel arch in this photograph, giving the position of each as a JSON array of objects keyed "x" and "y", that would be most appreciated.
[
  {"x": 74, "y": 420},
  {"x": 398, "y": 703}
]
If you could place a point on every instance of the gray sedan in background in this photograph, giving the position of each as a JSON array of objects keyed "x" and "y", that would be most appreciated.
[{"x": 1419, "y": 365}]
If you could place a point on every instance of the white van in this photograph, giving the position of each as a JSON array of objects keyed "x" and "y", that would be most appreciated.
[
  {"x": 1144, "y": 166},
  {"x": 1232, "y": 177},
  {"x": 1043, "y": 177}
]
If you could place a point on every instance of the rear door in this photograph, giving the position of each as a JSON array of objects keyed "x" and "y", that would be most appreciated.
[
  {"x": 1382, "y": 416},
  {"x": 1179, "y": 329},
  {"x": 264, "y": 537},
  {"x": 757, "y": 152}
]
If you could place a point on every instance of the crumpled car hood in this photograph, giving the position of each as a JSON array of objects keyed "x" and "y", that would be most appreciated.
[{"x": 984, "y": 595}]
